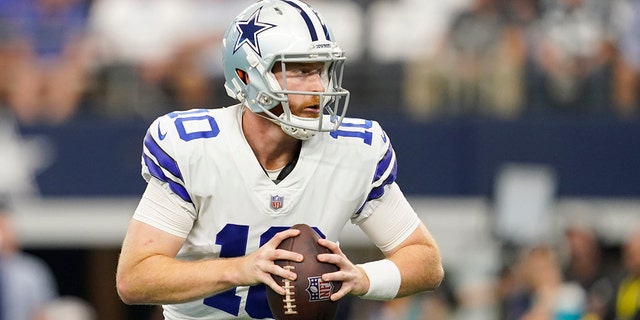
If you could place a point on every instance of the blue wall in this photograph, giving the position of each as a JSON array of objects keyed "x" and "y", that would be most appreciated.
[
  {"x": 441, "y": 158},
  {"x": 590, "y": 158}
]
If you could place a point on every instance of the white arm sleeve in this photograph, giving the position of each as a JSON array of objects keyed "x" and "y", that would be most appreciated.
[
  {"x": 157, "y": 209},
  {"x": 392, "y": 221}
]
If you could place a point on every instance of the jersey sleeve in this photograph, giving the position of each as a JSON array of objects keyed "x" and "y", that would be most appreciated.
[
  {"x": 385, "y": 173},
  {"x": 159, "y": 157},
  {"x": 162, "y": 212},
  {"x": 160, "y": 164},
  {"x": 387, "y": 234}
]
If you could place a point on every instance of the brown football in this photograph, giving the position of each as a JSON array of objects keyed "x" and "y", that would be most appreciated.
[{"x": 308, "y": 296}]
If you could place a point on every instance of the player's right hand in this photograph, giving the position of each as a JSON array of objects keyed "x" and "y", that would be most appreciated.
[{"x": 259, "y": 265}]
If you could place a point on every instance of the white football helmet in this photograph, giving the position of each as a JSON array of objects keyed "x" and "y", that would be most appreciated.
[{"x": 281, "y": 31}]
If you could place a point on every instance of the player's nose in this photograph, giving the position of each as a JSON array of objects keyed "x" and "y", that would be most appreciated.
[{"x": 315, "y": 82}]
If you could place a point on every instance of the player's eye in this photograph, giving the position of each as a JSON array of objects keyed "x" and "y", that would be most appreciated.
[
  {"x": 303, "y": 72},
  {"x": 305, "y": 69}
]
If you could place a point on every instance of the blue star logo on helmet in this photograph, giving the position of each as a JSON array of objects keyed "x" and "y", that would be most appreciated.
[{"x": 249, "y": 30}]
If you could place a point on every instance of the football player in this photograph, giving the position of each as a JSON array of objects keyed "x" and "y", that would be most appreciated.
[{"x": 225, "y": 184}]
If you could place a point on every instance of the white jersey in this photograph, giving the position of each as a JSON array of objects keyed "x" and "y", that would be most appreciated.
[{"x": 206, "y": 166}]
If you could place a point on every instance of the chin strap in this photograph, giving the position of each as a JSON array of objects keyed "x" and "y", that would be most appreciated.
[{"x": 298, "y": 132}]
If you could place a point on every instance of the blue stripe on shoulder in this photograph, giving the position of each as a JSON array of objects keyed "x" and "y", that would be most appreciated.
[
  {"x": 384, "y": 163},
  {"x": 377, "y": 192},
  {"x": 156, "y": 171},
  {"x": 163, "y": 158}
]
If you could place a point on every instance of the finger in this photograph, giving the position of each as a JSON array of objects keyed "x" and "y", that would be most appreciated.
[
  {"x": 283, "y": 272},
  {"x": 280, "y": 236},
  {"x": 333, "y": 246},
  {"x": 275, "y": 286},
  {"x": 277, "y": 271},
  {"x": 344, "y": 290},
  {"x": 281, "y": 254},
  {"x": 343, "y": 279},
  {"x": 334, "y": 276},
  {"x": 331, "y": 258}
]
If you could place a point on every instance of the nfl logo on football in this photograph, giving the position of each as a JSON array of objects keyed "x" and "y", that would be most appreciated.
[
  {"x": 318, "y": 289},
  {"x": 276, "y": 202}
]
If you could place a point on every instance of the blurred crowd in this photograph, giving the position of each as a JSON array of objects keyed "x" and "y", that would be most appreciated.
[
  {"x": 28, "y": 286},
  {"x": 494, "y": 58},
  {"x": 575, "y": 278},
  {"x": 532, "y": 57},
  {"x": 114, "y": 58}
]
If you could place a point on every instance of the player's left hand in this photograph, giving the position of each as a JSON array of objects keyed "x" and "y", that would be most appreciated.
[{"x": 354, "y": 280}]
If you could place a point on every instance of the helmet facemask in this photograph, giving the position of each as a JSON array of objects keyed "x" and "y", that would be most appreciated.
[{"x": 333, "y": 100}]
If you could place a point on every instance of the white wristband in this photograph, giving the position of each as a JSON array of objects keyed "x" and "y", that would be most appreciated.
[{"x": 384, "y": 279}]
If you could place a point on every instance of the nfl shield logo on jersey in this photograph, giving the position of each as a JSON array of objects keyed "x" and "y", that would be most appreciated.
[
  {"x": 318, "y": 289},
  {"x": 276, "y": 202}
]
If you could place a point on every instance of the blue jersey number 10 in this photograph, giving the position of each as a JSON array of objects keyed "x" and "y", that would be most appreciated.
[{"x": 232, "y": 240}]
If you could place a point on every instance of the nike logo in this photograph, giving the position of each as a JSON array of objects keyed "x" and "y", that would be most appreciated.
[{"x": 160, "y": 134}]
